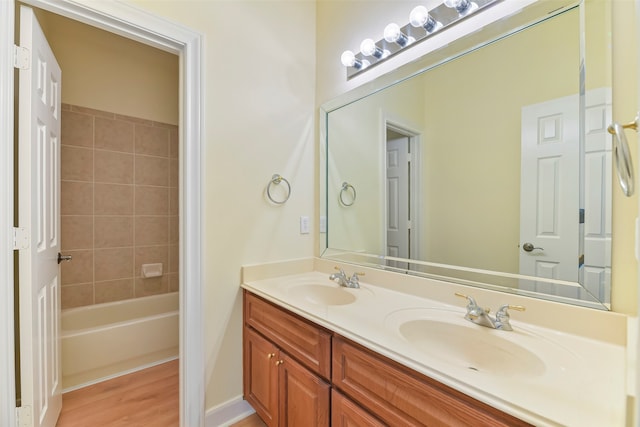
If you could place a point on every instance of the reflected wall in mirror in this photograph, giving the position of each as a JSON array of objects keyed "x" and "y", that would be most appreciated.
[{"x": 492, "y": 168}]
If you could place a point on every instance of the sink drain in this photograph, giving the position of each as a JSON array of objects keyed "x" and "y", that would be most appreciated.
[{"x": 473, "y": 368}]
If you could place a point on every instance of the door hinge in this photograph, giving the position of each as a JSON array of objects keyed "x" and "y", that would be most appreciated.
[
  {"x": 24, "y": 416},
  {"x": 21, "y": 57},
  {"x": 20, "y": 239},
  {"x": 409, "y": 224}
]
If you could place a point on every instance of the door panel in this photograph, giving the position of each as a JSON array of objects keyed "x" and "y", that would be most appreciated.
[
  {"x": 39, "y": 209},
  {"x": 549, "y": 201},
  {"x": 398, "y": 224}
]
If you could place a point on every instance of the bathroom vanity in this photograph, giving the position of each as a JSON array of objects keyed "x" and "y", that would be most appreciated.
[
  {"x": 339, "y": 382},
  {"x": 316, "y": 353}
]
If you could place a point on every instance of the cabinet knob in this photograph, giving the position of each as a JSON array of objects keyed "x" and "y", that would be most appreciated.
[
  {"x": 271, "y": 355},
  {"x": 279, "y": 362}
]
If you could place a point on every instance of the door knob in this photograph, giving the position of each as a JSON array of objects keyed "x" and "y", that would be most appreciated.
[
  {"x": 528, "y": 247},
  {"x": 63, "y": 258}
]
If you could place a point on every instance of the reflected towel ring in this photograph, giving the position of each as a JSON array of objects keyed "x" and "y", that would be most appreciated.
[
  {"x": 277, "y": 179},
  {"x": 622, "y": 155},
  {"x": 346, "y": 186}
]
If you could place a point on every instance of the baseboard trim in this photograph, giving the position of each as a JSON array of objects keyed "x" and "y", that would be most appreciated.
[{"x": 228, "y": 413}]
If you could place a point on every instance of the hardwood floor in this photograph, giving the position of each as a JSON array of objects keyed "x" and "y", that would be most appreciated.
[
  {"x": 145, "y": 398},
  {"x": 251, "y": 421}
]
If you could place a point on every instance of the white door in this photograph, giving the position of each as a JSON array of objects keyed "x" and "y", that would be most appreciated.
[
  {"x": 39, "y": 208},
  {"x": 398, "y": 222},
  {"x": 549, "y": 198},
  {"x": 596, "y": 277}
]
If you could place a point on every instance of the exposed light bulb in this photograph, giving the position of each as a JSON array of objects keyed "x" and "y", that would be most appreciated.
[
  {"x": 392, "y": 34},
  {"x": 420, "y": 17},
  {"x": 349, "y": 59},
  {"x": 463, "y": 7},
  {"x": 368, "y": 48}
]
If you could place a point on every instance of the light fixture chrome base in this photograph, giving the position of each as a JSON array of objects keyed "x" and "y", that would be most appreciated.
[{"x": 443, "y": 15}]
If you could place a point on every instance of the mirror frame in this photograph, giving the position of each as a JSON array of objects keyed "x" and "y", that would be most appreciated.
[{"x": 493, "y": 280}]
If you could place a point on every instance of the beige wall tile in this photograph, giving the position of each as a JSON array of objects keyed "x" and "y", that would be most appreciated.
[
  {"x": 76, "y": 163},
  {"x": 152, "y": 286},
  {"x": 116, "y": 263},
  {"x": 174, "y": 230},
  {"x": 173, "y": 173},
  {"x": 77, "y": 129},
  {"x": 174, "y": 201},
  {"x": 76, "y": 295},
  {"x": 152, "y": 171},
  {"x": 174, "y": 258},
  {"x": 114, "y": 135},
  {"x": 76, "y": 198},
  {"x": 174, "y": 142},
  {"x": 151, "y": 255},
  {"x": 112, "y": 167},
  {"x": 152, "y": 200},
  {"x": 113, "y": 199},
  {"x": 174, "y": 282},
  {"x": 152, "y": 230},
  {"x": 113, "y": 231},
  {"x": 151, "y": 140},
  {"x": 101, "y": 182},
  {"x": 79, "y": 269},
  {"x": 114, "y": 290},
  {"x": 76, "y": 232}
]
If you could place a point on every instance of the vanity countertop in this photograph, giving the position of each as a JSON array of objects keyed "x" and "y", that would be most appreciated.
[{"x": 562, "y": 379}]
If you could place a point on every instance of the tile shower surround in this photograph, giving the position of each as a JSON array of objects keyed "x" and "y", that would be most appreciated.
[{"x": 119, "y": 206}]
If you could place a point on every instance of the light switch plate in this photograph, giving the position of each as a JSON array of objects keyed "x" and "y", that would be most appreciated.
[{"x": 304, "y": 225}]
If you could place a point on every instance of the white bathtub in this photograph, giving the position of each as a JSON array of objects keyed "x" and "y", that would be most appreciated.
[{"x": 106, "y": 340}]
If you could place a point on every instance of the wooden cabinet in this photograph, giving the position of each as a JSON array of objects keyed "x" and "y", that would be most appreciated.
[
  {"x": 285, "y": 391},
  {"x": 297, "y": 373},
  {"x": 400, "y": 396}
]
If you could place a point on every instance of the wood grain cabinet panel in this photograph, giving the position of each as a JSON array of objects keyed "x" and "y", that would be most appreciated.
[
  {"x": 346, "y": 413},
  {"x": 304, "y": 397},
  {"x": 260, "y": 376},
  {"x": 309, "y": 344},
  {"x": 402, "y": 397}
]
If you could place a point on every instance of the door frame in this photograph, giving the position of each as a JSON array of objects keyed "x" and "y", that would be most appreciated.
[{"x": 144, "y": 27}]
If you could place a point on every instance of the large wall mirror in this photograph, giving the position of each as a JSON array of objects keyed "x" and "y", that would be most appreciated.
[{"x": 486, "y": 163}]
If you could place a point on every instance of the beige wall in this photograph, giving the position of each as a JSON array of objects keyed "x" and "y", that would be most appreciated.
[
  {"x": 107, "y": 72},
  {"x": 119, "y": 206},
  {"x": 259, "y": 120}
]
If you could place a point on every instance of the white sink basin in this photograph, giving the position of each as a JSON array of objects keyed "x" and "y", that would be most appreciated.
[
  {"x": 472, "y": 347},
  {"x": 445, "y": 336},
  {"x": 322, "y": 294}
]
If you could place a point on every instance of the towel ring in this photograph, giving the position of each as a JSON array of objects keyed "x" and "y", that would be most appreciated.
[
  {"x": 277, "y": 179},
  {"x": 345, "y": 187},
  {"x": 622, "y": 156}
]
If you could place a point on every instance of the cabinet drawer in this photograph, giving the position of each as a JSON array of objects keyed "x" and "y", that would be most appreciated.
[
  {"x": 346, "y": 413},
  {"x": 305, "y": 342},
  {"x": 401, "y": 396}
]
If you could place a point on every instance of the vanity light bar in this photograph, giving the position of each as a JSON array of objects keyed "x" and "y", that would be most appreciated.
[{"x": 423, "y": 24}]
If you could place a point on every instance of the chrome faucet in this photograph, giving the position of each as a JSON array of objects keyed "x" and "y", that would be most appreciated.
[
  {"x": 480, "y": 316},
  {"x": 342, "y": 280}
]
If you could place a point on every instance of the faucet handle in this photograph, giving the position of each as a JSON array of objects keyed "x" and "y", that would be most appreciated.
[
  {"x": 502, "y": 316},
  {"x": 472, "y": 302},
  {"x": 340, "y": 270},
  {"x": 502, "y": 311}
]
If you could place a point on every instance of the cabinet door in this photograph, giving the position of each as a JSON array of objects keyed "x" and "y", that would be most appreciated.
[
  {"x": 304, "y": 397},
  {"x": 260, "y": 376},
  {"x": 346, "y": 413}
]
